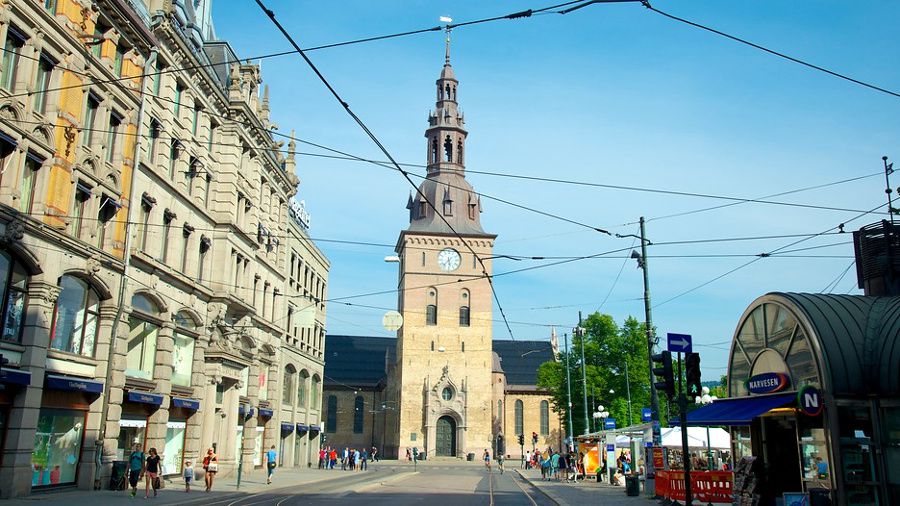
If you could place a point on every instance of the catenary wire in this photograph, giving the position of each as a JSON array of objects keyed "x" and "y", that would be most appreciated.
[
  {"x": 832, "y": 285},
  {"x": 771, "y": 51}
]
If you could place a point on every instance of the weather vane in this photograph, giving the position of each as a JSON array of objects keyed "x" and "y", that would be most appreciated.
[{"x": 448, "y": 20}]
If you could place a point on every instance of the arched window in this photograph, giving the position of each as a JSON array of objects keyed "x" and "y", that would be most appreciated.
[
  {"x": 545, "y": 418},
  {"x": 314, "y": 393},
  {"x": 331, "y": 415},
  {"x": 14, "y": 286},
  {"x": 302, "y": 389},
  {"x": 434, "y": 151},
  {"x": 287, "y": 387},
  {"x": 520, "y": 424},
  {"x": 143, "y": 324},
  {"x": 459, "y": 152},
  {"x": 359, "y": 413},
  {"x": 75, "y": 317},
  {"x": 183, "y": 350},
  {"x": 447, "y": 91}
]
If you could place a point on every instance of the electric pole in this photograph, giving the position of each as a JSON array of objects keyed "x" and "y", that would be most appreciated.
[
  {"x": 648, "y": 324},
  {"x": 580, "y": 332},
  {"x": 569, "y": 388}
]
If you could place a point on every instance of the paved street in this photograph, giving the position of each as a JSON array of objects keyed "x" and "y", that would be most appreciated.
[{"x": 437, "y": 483}]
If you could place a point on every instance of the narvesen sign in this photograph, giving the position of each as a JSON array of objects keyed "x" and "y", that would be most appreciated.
[{"x": 768, "y": 383}]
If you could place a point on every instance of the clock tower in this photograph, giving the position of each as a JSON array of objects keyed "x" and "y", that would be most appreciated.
[{"x": 442, "y": 376}]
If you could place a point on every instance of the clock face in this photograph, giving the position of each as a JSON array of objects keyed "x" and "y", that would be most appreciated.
[{"x": 448, "y": 259}]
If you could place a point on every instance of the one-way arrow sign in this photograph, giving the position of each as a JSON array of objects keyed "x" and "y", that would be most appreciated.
[{"x": 680, "y": 343}]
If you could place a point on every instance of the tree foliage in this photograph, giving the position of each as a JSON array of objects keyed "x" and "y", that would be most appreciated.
[{"x": 608, "y": 347}]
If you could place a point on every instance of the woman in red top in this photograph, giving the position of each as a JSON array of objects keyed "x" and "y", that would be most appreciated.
[{"x": 211, "y": 466}]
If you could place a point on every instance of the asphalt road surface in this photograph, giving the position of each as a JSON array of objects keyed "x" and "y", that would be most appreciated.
[{"x": 434, "y": 485}]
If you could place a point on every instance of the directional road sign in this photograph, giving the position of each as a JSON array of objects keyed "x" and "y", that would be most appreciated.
[{"x": 679, "y": 343}]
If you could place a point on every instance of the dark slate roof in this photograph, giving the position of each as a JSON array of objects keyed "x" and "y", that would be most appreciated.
[
  {"x": 520, "y": 359},
  {"x": 357, "y": 361},
  {"x": 859, "y": 339}
]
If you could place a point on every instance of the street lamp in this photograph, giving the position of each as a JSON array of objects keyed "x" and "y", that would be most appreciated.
[
  {"x": 601, "y": 414},
  {"x": 704, "y": 400}
]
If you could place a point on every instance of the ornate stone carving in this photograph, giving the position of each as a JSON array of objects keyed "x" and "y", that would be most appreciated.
[
  {"x": 15, "y": 230},
  {"x": 69, "y": 135},
  {"x": 93, "y": 265}
]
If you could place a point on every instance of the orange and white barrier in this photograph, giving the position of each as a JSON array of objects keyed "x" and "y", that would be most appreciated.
[{"x": 706, "y": 486}]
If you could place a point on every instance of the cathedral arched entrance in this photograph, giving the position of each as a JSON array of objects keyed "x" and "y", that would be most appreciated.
[{"x": 445, "y": 437}]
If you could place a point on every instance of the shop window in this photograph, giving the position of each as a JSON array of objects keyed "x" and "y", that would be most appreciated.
[
  {"x": 519, "y": 420},
  {"x": 359, "y": 413},
  {"x": 75, "y": 317},
  {"x": 302, "y": 389},
  {"x": 14, "y": 43},
  {"x": 132, "y": 433},
  {"x": 173, "y": 452},
  {"x": 331, "y": 415},
  {"x": 57, "y": 447},
  {"x": 545, "y": 418},
  {"x": 287, "y": 392},
  {"x": 14, "y": 286}
]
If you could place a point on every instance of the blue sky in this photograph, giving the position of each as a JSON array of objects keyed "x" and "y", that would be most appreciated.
[{"x": 613, "y": 94}]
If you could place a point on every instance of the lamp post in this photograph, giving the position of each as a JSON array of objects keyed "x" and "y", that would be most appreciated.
[
  {"x": 569, "y": 391},
  {"x": 707, "y": 399},
  {"x": 579, "y": 331},
  {"x": 601, "y": 414}
]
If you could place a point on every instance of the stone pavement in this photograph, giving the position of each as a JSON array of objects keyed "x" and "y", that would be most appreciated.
[
  {"x": 583, "y": 492},
  {"x": 224, "y": 489}
]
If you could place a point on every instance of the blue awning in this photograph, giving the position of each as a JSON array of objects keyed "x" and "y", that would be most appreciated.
[
  {"x": 60, "y": 382},
  {"x": 287, "y": 428},
  {"x": 302, "y": 428},
  {"x": 8, "y": 139},
  {"x": 183, "y": 402},
  {"x": 736, "y": 411},
  {"x": 315, "y": 428},
  {"x": 266, "y": 413},
  {"x": 15, "y": 377},
  {"x": 145, "y": 398}
]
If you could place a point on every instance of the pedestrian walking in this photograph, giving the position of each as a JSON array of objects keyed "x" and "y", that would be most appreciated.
[
  {"x": 365, "y": 459},
  {"x": 188, "y": 475},
  {"x": 211, "y": 467},
  {"x": 374, "y": 454},
  {"x": 487, "y": 459},
  {"x": 527, "y": 461},
  {"x": 152, "y": 473},
  {"x": 135, "y": 467},
  {"x": 271, "y": 457}
]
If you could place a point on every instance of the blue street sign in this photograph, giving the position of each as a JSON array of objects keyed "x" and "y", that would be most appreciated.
[
  {"x": 646, "y": 414},
  {"x": 679, "y": 343},
  {"x": 609, "y": 423},
  {"x": 610, "y": 448}
]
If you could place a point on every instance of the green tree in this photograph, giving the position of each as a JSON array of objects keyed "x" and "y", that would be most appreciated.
[{"x": 608, "y": 350}]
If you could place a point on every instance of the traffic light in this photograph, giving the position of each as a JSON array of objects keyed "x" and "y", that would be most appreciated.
[
  {"x": 692, "y": 375},
  {"x": 521, "y": 439},
  {"x": 662, "y": 369}
]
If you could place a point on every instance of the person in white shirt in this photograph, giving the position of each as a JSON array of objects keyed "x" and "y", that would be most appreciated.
[{"x": 527, "y": 462}]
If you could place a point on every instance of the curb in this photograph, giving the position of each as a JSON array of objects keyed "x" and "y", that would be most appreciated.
[{"x": 397, "y": 477}]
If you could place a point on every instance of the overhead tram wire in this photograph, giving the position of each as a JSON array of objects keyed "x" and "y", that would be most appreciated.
[
  {"x": 515, "y": 15},
  {"x": 832, "y": 285},
  {"x": 798, "y": 61},
  {"x": 371, "y": 135},
  {"x": 769, "y": 255}
]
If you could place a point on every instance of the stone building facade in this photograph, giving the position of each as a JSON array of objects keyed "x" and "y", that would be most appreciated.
[
  {"x": 438, "y": 390},
  {"x": 144, "y": 247}
]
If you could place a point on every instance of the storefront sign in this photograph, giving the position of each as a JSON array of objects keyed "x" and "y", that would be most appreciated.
[
  {"x": 810, "y": 400},
  {"x": 646, "y": 414},
  {"x": 768, "y": 383},
  {"x": 57, "y": 382},
  {"x": 266, "y": 413},
  {"x": 145, "y": 398},
  {"x": 181, "y": 402},
  {"x": 658, "y": 459}
]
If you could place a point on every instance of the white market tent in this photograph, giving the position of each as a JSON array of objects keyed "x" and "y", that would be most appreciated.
[{"x": 718, "y": 438}]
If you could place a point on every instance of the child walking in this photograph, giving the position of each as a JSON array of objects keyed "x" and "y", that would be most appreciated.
[{"x": 188, "y": 476}]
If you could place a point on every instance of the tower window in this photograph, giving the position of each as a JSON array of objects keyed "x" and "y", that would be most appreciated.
[
  {"x": 447, "y": 91},
  {"x": 431, "y": 317},
  {"x": 434, "y": 151},
  {"x": 448, "y": 149},
  {"x": 464, "y": 316},
  {"x": 459, "y": 152},
  {"x": 421, "y": 209},
  {"x": 448, "y": 207}
]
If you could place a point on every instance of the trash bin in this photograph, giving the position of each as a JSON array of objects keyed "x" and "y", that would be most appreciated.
[
  {"x": 632, "y": 486},
  {"x": 421, "y": 455},
  {"x": 470, "y": 457}
]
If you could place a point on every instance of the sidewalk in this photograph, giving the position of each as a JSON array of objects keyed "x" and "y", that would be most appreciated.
[
  {"x": 252, "y": 482},
  {"x": 583, "y": 492}
]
